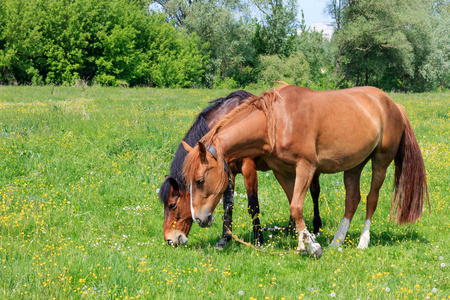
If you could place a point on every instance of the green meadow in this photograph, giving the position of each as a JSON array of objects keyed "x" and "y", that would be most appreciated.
[{"x": 80, "y": 215}]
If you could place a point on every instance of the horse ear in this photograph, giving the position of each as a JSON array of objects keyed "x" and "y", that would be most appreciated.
[
  {"x": 174, "y": 187},
  {"x": 202, "y": 152},
  {"x": 186, "y": 146}
]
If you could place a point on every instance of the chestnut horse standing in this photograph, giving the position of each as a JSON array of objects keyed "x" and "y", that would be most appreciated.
[
  {"x": 301, "y": 133},
  {"x": 177, "y": 213}
]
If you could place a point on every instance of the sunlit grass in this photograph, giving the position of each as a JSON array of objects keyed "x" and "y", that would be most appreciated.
[{"x": 80, "y": 216}]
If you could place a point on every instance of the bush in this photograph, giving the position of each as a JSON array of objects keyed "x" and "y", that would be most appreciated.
[
  {"x": 293, "y": 69},
  {"x": 109, "y": 42}
]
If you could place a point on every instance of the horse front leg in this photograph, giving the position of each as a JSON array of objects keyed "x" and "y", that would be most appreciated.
[
  {"x": 296, "y": 188},
  {"x": 228, "y": 206},
  {"x": 304, "y": 174},
  {"x": 315, "y": 192}
]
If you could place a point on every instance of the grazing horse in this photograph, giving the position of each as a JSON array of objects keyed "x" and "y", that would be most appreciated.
[
  {"x": 301, "y": 133},
  {"x": 177, "y": 212}
]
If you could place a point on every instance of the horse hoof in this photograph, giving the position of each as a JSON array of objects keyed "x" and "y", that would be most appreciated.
[
  {"x": 364, "y": 240},
  {"x": 221, "y": 244},
  {"x": 260, "y": 241},
  {"x": 318, "y": 253}
]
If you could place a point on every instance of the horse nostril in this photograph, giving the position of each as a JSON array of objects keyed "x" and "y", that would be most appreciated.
[
  {"x": 182, "y": 240},
  {"x": 210, "y": 220},
  {"x": 198, "y": 220}
]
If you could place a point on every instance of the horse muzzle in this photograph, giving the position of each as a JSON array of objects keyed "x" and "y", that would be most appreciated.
[{"x": 177, "y": 239}]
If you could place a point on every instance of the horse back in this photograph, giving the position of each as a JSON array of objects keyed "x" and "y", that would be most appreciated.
[{"x": 337, "y": 129}]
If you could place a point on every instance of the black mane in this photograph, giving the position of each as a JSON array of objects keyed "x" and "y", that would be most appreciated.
[{"x": 195, "y": 133}]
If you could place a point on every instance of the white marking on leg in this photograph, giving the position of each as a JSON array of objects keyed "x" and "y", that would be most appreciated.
[
  {"x": 192, "y": 207},
  {"x": 341, "y": 233},
  {"x": 307, "y": 244},
  {"x": 365, "y": 236},
  {"x": 301, "y": 245}
]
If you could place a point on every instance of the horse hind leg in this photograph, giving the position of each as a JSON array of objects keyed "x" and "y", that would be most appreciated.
[
  {"x": 352, "y": 199},
  {"x": 380, "y": 163},
  {"x": 251, "y": 185}
]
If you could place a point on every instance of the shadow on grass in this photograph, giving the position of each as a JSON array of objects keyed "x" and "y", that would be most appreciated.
[{"x": 286, "y": 240}]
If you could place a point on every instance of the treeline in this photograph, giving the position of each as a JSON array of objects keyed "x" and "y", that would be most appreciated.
[{"x": 392, "y": 44}]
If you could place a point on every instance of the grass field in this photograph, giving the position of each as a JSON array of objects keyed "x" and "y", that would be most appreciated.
[{"x": 80, "y": 215}]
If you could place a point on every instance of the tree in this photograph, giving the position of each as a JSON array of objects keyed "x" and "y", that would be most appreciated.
[
  {"x": 20, "y": 41},
  {"x": 314, "y": 48},
  {"x": 436, "y": 68},
  {"x": 381, "y": 42},
  {"x": 278, "y": 27},
  {"x": 223, "y": 31},
  {"x": 293, "y": 69}
]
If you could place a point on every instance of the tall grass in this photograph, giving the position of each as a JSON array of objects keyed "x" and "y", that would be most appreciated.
[{"x": 80, "y": 215}]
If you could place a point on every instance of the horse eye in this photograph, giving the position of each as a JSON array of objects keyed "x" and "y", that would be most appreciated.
[
  {"x": 200, "y": 182},
  {"x": 172, "y": 205}
]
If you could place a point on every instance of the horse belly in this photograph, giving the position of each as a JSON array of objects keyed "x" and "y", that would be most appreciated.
[{"x": 346, "y": 151}]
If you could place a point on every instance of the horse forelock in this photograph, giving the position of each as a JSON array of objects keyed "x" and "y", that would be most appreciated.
[{"x": 192, "y": 164}]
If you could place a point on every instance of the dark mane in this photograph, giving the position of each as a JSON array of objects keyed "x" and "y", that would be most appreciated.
[
  {"x": 263, "y": 103},
  {"x": 195, "y": 133}
]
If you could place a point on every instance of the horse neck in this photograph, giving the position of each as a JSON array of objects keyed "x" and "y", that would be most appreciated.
[{"x": 246, "y": 137}]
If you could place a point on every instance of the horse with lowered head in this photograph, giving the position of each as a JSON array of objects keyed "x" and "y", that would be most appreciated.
[
  {"x": 301, "y": 133},
  {"x": 176, "y": 199}
]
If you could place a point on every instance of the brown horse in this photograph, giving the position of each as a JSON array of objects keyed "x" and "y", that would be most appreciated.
[
  {"x": 302, "y": 133},
  {"x": 177, "y": 212}
]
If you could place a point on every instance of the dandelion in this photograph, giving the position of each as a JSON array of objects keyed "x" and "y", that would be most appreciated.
[
  {"x": 333, "y": 294},
  {"x": 441, "y": 258},
  {"x": 434, "y": 290},
  {"x": 241, "y": 293},
  {"x": 442, "y": 265},
  {"x": 340, "y": 249},
  {"x": 387, "y": 290}
]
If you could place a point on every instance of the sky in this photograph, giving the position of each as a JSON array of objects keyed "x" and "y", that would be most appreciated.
[{"x": 313, "y": 11}]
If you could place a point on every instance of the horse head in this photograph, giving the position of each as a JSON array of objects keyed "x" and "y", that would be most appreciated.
[
  {"x": 177, "y": 214},
  {"x": 207, "y": 179}
]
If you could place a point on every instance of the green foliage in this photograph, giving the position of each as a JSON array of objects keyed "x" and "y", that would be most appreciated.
[
  {"x": 276, "y": 32},
  {"x": 178, "y": 60},
  {"x": 316, "y": 50},
  {"x": 107, "y": 42},
  {"x": 382, "y": 43},
  {"x": 225, "y": 35},
  {"x": 20, "y": 41},
  {"x": 293, "y": 69},
  {"x": 391, "y": 44},
  {"x": 436, "y": 67}
]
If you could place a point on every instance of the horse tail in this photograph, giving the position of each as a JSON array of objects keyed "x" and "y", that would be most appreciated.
[{"x": 410, "y": 182}]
